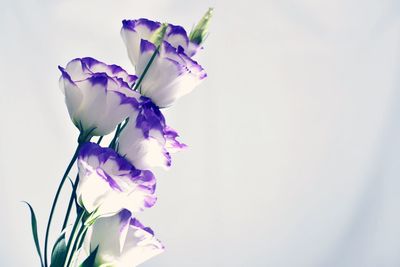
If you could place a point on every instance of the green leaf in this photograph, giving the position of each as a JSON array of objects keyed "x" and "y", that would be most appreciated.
[
  {"x": 89, "y": 262},
  {"x": 59, "y": 252},
  {"x": 34, "y": 232}
]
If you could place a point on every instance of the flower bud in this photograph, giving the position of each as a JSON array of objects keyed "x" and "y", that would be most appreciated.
[{"x": 200, "y": 31}]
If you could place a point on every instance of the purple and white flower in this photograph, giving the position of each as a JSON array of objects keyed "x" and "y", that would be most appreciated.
[
  {"x": 147, "y": 141},
  {"x": 98, "y": 96},
  {"x": 172, "y": 72},
  {"x": 108, "y": 183},
  {"x": 122, "y": 241}
]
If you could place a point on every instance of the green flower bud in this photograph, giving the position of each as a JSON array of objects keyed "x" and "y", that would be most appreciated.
[{"x": 200, "y": 31}]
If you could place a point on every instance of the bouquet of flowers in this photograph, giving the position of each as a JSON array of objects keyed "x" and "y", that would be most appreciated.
[{"x": 114, "y": 180}]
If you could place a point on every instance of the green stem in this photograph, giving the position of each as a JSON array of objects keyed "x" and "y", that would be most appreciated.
[
  {"x": 71, "y": 202},
  {"x": 78, "y": 240},
  {"x": 100, "y": 138},
  {"x": 146, "y": 68},
  {"x": 113, "y": 144},
  {"x": 83, "y": 238},
  {"x": 116, "y": 135},
  {"x": 71, "y": 163},
  {"x": 72, "y": 237}
]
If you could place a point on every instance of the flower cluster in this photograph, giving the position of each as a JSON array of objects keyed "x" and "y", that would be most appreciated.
[{"x": 115, "y": 181}]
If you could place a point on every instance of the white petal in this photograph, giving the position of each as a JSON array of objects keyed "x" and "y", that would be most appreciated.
[
  {"x": 91, "y": 190},
  {"x": 144, "y": 153},
  {"x": 139, "y": 247},
  {"x": 133, "y": 32},
  {"x": 122, "y": 241},
  {"x": 106, "y": 235},
  {"x": 177, "y": 36},
  {"x": 92, "y": 107},
  {"x": 73, "y": 99},
  {"x": 77, "y": 71},
  {"x": 132, "y": 43}
]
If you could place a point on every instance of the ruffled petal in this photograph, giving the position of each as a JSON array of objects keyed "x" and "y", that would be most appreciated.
[
  {"x": 147, "y": 141},
  {"x": 171, "y": 142},
  {"x": 94, "y": 66},
  {"x": 146, "y": 153}
]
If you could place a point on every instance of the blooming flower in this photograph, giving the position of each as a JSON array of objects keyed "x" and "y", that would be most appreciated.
[
  {"x": 122, "y": 241},
  {"x": 164, "y": 65},
  {"x": 98, "y": 96},
  {"x": 109, "y": 183},
  {"x": 146, "y": 140}
]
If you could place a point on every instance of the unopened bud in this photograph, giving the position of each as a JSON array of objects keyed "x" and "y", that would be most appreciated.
[{"x": 200, "y": 31}]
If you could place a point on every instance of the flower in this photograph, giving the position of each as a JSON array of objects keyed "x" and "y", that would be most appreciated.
[
  {"x": 109, "y": 183},
  {"x": 147, "y": 141},
  {"x": 161, "y": 55},
  {"x": 98, "y": 96},
  {"x": 122, "y": 241}
]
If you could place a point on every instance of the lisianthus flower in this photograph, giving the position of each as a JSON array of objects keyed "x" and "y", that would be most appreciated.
[
  {"x": 98, "y": 96},
  {"x": 147, "y": 141},
  {"x": 121, "y": 241},
  {"x": 172, "y": 72},
  {"x": 109, "y": 183}
]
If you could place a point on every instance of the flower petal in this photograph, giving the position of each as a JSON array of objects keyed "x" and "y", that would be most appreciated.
[
  {"x": 140, "y": 245},
  {"x": 133, "y": 31},
  {"x": 146, "y": 153},
  {"x": 94, "y": 66}
]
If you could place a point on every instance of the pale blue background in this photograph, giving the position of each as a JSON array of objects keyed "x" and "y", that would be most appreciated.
[{"x": 294, "y": 155}]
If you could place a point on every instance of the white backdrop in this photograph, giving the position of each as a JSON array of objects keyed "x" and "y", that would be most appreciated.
[{"x": 294, "y": 138}]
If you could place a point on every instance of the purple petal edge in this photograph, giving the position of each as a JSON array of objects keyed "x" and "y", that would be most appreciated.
[
  {"x": 132, "y": 24},
  {"x": 104, "y": 153},
  {"x": 146, "y": 46}
]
